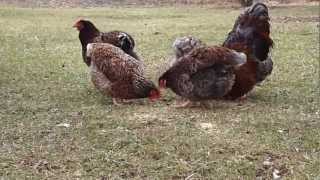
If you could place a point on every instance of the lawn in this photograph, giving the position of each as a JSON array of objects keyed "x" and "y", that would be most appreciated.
[{"x": 55, "y": 125}]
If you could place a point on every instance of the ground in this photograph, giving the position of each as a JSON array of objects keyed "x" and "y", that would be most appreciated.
[{"x": 56, "y": 125}]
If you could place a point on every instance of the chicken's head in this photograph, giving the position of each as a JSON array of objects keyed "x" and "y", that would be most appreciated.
[
  {"x": 85, "y": 25},
  {"x": 154, "y": 94},
  {"x": 79, "y": 24}
]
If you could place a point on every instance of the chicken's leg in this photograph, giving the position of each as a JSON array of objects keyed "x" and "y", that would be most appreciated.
[
  {"x": 183, "y": 104},
  {"x": 115, "y": 102}
]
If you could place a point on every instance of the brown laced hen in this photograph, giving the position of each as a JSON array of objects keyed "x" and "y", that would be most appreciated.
[
  {"x": 202, "y": 72},
  {"x": 88, "y": 33},
  {"x": 251, "y": 35},
  {"x": 117, "y": 74}
]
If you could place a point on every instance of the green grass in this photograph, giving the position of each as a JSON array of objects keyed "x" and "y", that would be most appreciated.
[{"x": 43, "y": 83}]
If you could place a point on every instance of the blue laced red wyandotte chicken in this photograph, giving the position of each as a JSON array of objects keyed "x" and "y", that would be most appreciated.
[
  {"x": 251, "y": 35},
  {"x": 199, "y": 72}
]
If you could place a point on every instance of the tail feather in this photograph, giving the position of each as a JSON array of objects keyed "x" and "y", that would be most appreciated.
[
  {"x": 239, "y": 58},
  {"x": 184, "y": 45},
  {"x": 133, "y": 54},
  {"x": 126, "y": 42}
]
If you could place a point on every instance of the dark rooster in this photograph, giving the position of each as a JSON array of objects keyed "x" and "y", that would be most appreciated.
[
  {"x": 251, "y": 35},
  {"x": 88, "y": 33},
  {"x": 202, "y": 73},
  {"x": 117, "y": 74}
]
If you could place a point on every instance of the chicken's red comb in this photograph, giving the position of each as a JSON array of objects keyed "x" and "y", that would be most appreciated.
[
  {"x": 80, "y": 18},
  {"x": 77, "y": 21}
]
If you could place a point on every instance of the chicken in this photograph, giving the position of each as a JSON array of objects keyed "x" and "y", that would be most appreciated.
[
  {"x": 251, "y": 35},
  {"x": 204, "y": 73},
  {"x": 117, "y": 74},
  {"x": 88, "y": 33}
]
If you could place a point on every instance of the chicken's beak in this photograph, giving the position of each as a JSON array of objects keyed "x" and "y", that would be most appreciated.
[
  {"x": 155, "y": 98},
  {"x": 77, "y": 25}
]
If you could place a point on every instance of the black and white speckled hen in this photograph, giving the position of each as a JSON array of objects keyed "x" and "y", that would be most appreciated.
[
  {"x": 117, "y": 74},
  {"x": 202, "y": 72},
  {"x": 88, "y": 33},
  {"x": 251, "y": 35}
]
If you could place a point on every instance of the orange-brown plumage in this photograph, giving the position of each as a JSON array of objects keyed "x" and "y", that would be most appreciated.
[{"x": 117, "y": 74}]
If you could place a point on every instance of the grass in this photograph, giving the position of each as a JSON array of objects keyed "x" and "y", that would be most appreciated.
[{"x": 44, "y": 83}]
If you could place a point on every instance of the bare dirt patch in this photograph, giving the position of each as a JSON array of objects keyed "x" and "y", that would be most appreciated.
[{"x": 272, "y": 167}]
